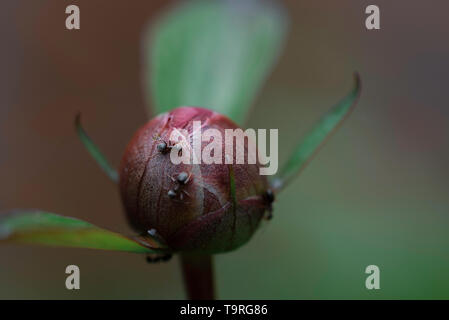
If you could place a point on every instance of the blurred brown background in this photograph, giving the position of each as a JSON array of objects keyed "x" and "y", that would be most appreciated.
[{"x": 377, "y": 194}]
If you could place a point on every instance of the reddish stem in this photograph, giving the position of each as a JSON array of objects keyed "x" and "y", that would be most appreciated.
[{"x": 198, "y": 273}]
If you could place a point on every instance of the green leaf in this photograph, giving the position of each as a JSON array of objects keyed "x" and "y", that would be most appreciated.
[
  {"x": 213, "y": 54},
  {"x": 316, "y": 138},
  {"x": 43, "y": 228},
  {"x": 94, "y": 151}
]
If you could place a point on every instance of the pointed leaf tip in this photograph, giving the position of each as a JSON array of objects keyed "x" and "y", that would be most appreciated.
[
  {"x": 317, "y": 137},
  {"x": 213, "y": 54},
  {"x": 44, "y": 228}
]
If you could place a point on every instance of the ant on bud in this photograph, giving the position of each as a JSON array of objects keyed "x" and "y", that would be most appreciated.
[
  {"x": 164, "y": 147},
  {"x": 182, "y": 179},
  {"x": 171, "y": 194},
  {"x": 268, "y": 196}
]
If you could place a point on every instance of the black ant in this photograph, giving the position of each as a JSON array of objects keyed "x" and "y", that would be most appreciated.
[
  {"x": 171, "y": 194},
  {"x": 268, "y": 196},
  {"x": 182, "y": 179},
  {"x": 152, "y": 258},
  {"x": 164, "y": 147},
  {"x": 157, "y": 257}
]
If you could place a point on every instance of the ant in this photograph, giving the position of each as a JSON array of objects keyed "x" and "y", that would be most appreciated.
[
  {"x": 182, "y": 179},
  {"x": 268, "y": 196},
  {"x": 164, "y": 147},
  {"x": 152, "y": 258}
]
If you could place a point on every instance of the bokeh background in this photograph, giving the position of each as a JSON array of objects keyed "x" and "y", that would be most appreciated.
[{"x": 376, "y": 194}]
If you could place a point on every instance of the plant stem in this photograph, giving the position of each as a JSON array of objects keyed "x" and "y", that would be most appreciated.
[{"x": 198, "y": 274}]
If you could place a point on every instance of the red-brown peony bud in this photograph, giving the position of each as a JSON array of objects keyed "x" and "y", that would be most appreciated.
[{"x": 191, "y": 206}]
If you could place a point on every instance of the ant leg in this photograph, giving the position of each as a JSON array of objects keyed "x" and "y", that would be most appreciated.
[
  {"x": 163, "y": 257},
  {"x": 187, "y": 194},
  {"x": 171, "y": 177},
  {"x": 188, "y": 178}
]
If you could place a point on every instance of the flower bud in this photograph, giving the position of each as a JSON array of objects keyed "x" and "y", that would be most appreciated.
[{"x": 191, "y": 206}]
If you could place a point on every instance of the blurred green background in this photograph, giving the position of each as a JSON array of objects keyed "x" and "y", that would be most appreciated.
[{"x": 376, "y": 194}]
